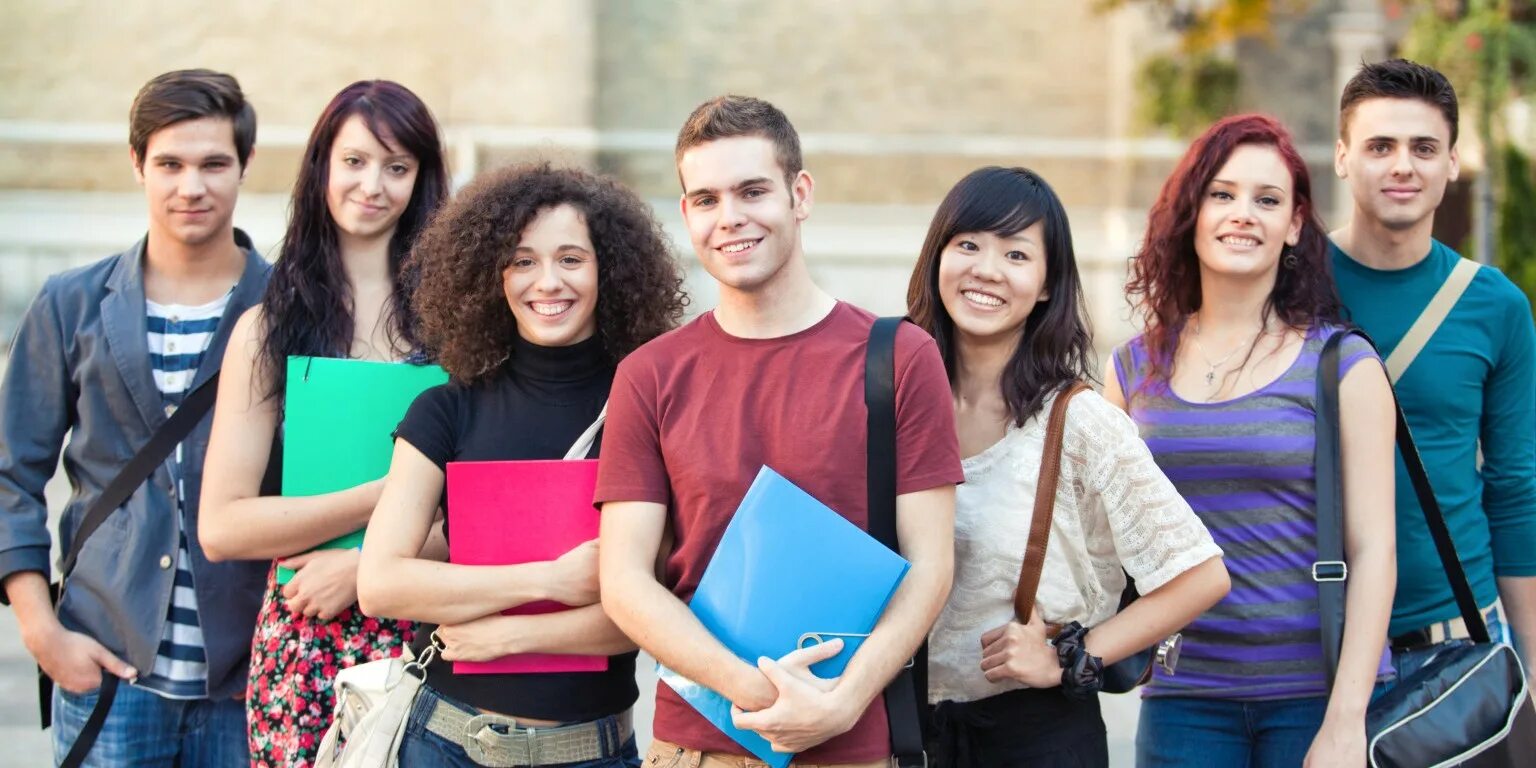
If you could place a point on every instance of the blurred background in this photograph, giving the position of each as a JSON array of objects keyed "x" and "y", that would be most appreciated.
[{"x": 895, "y": 100}]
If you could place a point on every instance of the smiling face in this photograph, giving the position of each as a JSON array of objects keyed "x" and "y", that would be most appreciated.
[
  {"x": 989, "y": 283},
  {"x": 191, "y": 178},
  {"x": 743, "y": 221},
  {"x": 370, "y": 183},
  {"x": 1397, "y": 159},
  {"x": 1248, "y": 215},
  {"x": 551, "y": 281}
]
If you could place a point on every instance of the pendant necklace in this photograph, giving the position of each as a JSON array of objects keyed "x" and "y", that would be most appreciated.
[{"x": 1210, "y": 374}]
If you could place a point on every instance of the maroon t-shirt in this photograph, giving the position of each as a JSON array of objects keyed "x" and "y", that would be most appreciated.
[{"x": 696, "y": 413}]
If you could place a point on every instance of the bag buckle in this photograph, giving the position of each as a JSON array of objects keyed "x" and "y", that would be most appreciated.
[{"x": 1330, "y": 570}]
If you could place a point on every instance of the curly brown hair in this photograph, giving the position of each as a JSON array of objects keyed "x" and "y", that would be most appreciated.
[{"x": 465, "y": 322}]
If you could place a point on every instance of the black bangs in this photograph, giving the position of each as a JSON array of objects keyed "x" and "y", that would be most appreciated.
[{"x": 1004, "y": 201}]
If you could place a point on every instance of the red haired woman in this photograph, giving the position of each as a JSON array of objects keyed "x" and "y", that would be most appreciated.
[{"x": 1236, "y": 298}]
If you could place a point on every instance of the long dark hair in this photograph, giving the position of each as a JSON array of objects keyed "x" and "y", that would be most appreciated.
[
  {"x": 307, "y": 309},
  {"x": 1165, "y": 277},
  {"x": 1056, "y": 346},
  {"x": 465, "y": 320}
]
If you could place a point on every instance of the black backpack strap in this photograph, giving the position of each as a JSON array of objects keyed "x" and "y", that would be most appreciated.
[
  {"x": 1329, "y": 571},
  {"x": 1330, "y": 511},
  {"x": 128, "y": 479},
  {"x": 907, "y": 693}
]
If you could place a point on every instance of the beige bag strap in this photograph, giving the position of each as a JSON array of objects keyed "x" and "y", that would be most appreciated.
[
  {"x": 1045, "y": 505},
  {"x": 583, "y": 444},
  {"x": 1429, "y": 321}
]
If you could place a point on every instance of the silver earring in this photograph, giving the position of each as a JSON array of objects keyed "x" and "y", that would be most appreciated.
[{"x": 1288, "y": 258}]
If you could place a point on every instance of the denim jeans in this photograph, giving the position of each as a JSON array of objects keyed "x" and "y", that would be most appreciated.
[
  {"x": 421, "y": 748},
  {"x": 1412, "y": 660},
  {"x": 146, "y": 729},
  {"x": 1198, "y": 733}
]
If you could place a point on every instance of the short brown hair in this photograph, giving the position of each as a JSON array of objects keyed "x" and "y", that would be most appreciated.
[
  {"x": 1399, "y": 79},
  {"x": 724, "y": 117},
  {"x": 189, "y": 94}
]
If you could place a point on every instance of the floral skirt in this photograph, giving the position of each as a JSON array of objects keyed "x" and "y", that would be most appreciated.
[{"x": 294, "y": 660}]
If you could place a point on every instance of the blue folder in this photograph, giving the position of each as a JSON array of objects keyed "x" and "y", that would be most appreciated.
[{"x": 788, "y": 573}]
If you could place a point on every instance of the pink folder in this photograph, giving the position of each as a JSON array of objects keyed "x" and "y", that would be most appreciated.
[{"x": 511, "y": 512}]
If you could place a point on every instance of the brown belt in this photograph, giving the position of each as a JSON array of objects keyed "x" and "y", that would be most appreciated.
[{"x": 513, "y": 745}]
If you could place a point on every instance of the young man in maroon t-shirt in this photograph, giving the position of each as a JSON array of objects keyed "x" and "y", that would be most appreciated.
[{"x": 773, "y": 376}]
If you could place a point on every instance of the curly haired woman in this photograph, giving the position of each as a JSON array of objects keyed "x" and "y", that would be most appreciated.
[
  {"x": 1237, "y": 301},
  {"x": 372, "y": 174},
  {"x": 535, "y": 282}
]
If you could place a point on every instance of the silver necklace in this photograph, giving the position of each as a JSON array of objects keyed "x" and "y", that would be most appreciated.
[{"x": 1210, "y": 374}]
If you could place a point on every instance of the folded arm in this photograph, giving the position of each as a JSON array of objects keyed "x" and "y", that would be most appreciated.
[
  {"x": 395, "y": 580},
  {"x": 234, "y": 520},
  {"x": 632, "y": 535}
]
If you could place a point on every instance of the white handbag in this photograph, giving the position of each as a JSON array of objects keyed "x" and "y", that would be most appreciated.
[
  {"x": 373, "y": 700},
  {"x": 373, "y": 704}
]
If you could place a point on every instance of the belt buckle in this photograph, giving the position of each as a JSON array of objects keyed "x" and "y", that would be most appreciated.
[
  {"x": 487, "y": 746},
  {"x": 1330, "y": 570}
]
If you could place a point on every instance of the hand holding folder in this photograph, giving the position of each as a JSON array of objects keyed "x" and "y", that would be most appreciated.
[
  {"x": 513, "y": 512},
  {"x": 788, "y": 573},
  {"x": 338, "y": 416}
]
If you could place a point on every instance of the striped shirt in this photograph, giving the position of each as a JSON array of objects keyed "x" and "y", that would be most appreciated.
[
  {"x": 178, "y": 337},
  {"x": 1245, "y": 466}
]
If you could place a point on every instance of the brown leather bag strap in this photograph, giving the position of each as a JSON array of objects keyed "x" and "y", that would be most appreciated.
[{"x": 1045, "y": 504}]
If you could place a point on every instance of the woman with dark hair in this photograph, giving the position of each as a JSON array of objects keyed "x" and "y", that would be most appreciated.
[
  {"x": 535, "y": 283},
  {"x": 372, "y": 175},
  {"x": 997, "y": 286},
  {"x": 1233, "y": 286}
]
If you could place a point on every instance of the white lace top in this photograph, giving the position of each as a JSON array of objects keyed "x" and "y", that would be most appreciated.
[{"x": 1114, "y": 510}]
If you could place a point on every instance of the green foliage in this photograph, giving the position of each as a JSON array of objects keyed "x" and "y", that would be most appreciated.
[
  {"x": 1515, "y": 244},
  {"x": 1185, "y": 93}
]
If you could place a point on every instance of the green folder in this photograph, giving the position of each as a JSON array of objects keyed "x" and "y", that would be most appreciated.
[{"x": 337, "y": 425}]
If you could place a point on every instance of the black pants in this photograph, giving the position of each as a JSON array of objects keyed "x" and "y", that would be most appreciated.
[{"x": 1031, "y": 727}]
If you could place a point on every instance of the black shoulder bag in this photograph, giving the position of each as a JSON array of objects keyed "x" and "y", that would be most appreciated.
[
  {"x": 128, "y": 479},
  {"x": 905, "y": 697},
  {"x": 1469, "y": 705}
]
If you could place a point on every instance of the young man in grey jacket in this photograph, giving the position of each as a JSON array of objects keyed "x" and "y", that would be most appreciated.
[{"x": 106, "y": 353}]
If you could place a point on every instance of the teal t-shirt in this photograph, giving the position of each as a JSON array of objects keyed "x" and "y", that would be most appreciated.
[{"x": 1474, "y": 382}]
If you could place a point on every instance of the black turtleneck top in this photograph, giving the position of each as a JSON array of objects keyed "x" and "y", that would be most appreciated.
[{"x": 534, "y": 407}]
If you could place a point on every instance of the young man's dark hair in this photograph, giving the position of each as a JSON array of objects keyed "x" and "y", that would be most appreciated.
[
  {"x": 1398, "y": 79},
  {"x": 188, "y": 94},
  {"x": 724, "y": 117}
]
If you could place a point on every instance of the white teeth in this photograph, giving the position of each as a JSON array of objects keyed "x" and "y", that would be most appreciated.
[
  {"x": 739, "y": 247},
  {"x": 982, "y": 298},
  {"x": 551, "y": 308},
  {"x": 1235, "y": 240}
]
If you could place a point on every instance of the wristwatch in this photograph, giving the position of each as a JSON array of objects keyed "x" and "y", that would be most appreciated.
[{"x": 1167, "y": 653}]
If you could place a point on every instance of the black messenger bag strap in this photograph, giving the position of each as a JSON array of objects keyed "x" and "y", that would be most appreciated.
[
  {"x": 128, "y": 479},
  {"x": 907, "y": 694},
  {"x": 1330, "y": 512}
]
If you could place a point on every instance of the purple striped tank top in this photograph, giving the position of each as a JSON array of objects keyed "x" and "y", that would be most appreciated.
[{"x": 1246, "y": 468}]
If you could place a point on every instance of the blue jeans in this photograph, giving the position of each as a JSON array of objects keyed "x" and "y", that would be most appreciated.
[
  {"x": 146, "y": 729},
  {"x": 420, "y": 747},
  {"x": 1195, "y": 733},
  {"x": 1410, "y": 661}
]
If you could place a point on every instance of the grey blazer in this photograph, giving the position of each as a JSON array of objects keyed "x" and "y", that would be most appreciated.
[{"x": 80, "y": 361}]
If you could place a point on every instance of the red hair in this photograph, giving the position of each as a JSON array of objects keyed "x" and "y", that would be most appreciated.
[{"x": 1164, "y": 285}]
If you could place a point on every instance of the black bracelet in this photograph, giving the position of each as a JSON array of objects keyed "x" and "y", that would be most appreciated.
[{"x": 1082, "y": 673}]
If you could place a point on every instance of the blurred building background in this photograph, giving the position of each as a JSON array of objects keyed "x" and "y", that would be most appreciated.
[{"x": 895, "y": 101}]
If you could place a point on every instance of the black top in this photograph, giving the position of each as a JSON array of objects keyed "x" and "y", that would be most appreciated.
[{"x": 534, "y": 408}]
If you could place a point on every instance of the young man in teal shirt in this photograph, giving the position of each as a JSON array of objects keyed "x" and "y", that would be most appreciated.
[{"x": 1472, "y": 387}]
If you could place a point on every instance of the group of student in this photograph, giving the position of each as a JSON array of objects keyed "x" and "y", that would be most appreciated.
[{"x": 553, "y": 301}]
